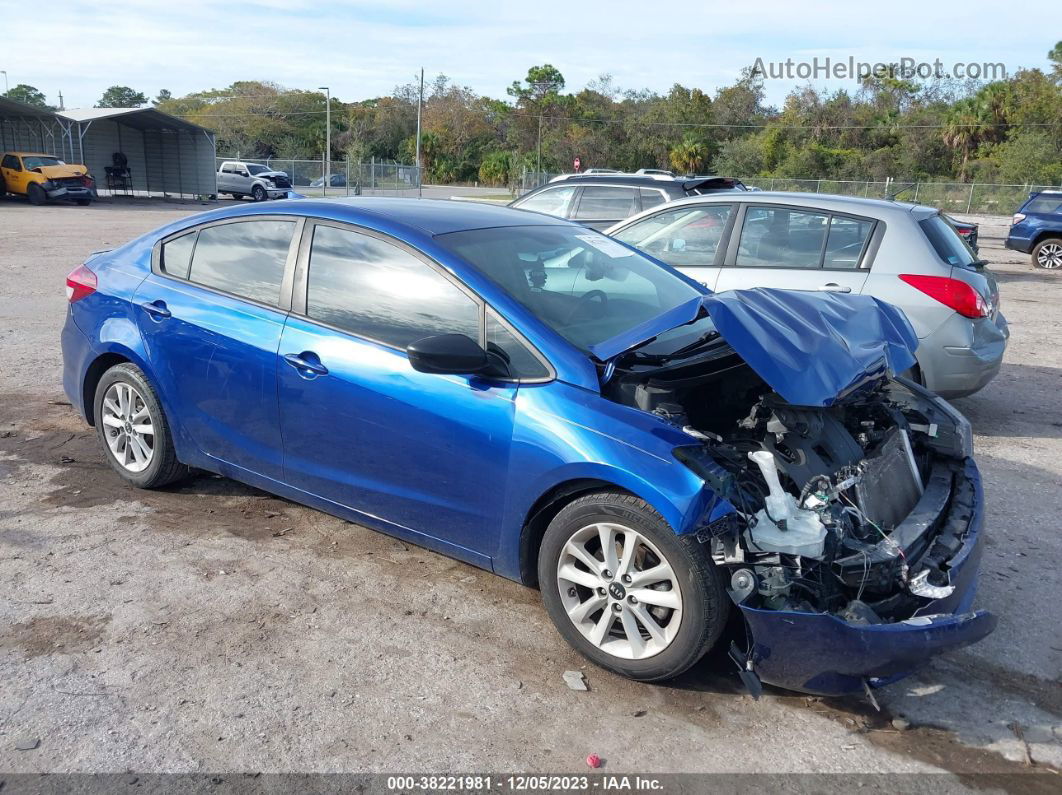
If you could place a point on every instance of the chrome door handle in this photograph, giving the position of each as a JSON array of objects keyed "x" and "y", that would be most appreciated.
[
  {"x": 157, "y": 309},
  {"x": 833, "y": 287},
  {"x": 299, "y": 363}
]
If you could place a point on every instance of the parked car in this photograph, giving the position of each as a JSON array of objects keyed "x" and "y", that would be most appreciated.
[
  {"x": 42, "y": 178},
  {"x": 967, "y": 231},
  {"x": 599, "y": 201},
  {"x": 1036, "y": 229},
  {"x": 905, "y": 254},
  {"x": 239, "y": 179},
  {"x": 334, "y": 181},
  {"x": 411, "y": 366}
]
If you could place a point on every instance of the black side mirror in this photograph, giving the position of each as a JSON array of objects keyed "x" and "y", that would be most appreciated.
[{"x": 447, "y": 354}]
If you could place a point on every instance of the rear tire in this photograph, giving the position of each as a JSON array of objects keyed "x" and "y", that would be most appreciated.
[
  {"x": 36, "y": 194},
  {"x": 1047, "y": 254},
  {"x": 237, "y": 196},
  {"x": 83, "y": 202},
  {"x": 623, "y": 618},
  {"x": 133, "y": 430}
]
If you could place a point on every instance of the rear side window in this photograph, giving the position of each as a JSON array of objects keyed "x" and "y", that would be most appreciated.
[
  {"x": 177, "y": 255},
  {"x": 10, "y": 161},
  {"x": 552, "y": 201},
  {"x": 776, "y": 237},
  {"x": 603, "y": 203},
  {"x": 245, "y": 258},
  {"x": 847, "y": 239},
  {"x": 948, "y": 244},
  {"x": 379, "y": 291},
  {"x": 650, "y": 197},
  {"x": 1044, "y": 204}
]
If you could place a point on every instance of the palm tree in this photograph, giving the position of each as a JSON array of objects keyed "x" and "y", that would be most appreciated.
[
  {"x": 689, "y": 156},
  {"x": 963, "y": 126}
]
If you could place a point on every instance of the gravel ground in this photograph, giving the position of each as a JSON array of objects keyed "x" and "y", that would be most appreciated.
[{"x": 212, "y": 627}]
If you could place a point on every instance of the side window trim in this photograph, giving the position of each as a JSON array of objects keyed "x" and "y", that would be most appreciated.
[
  {"x": 284, "y": 301},
  {"x": 301, "y": 286}
]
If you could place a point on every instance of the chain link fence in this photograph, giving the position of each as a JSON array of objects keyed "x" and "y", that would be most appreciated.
[
  {"x": 375, "y": 178},
  {"x": 956, "y": 197}
]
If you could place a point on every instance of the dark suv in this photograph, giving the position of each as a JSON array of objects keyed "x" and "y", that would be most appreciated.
[
  {"x": 1036, "y": 229},
  {"x": 601, "y": 200}
]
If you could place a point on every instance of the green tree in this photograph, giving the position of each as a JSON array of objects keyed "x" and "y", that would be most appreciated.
[
  {"x": 121, "y": 97},
  {"x": 163, "y": 96},
  {"x": 28, "y": 95},
  {"x": 961, "y": 131},
  {"x": 495, "y": 169},
  {"x": 1055, "y": 57},
  {"x": 689, "y": 156}
]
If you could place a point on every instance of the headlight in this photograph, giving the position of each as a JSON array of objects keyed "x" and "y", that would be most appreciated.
[{"x": 48, "y": 184}]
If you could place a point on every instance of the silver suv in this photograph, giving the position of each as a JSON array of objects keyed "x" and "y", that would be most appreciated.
[
  {"x": 906, "y": 254},
  {"x": 240, "y": 179}
]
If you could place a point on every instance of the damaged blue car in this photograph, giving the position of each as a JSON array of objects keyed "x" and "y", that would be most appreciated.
[{"x": 539, "y": 400}]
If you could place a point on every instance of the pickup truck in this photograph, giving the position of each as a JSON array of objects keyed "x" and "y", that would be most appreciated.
[
  {"x": 42, "y": 178},
  {"x": 239, "y": 179}
]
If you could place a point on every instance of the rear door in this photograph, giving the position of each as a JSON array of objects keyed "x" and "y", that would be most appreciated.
[
  {"x": 691, "y": 238},
  {"x": 601, "y": 206},
  {"x": 14, "y": 175},
  {"x": 225, "y": 177},
  {"x": 796, "y": 248},
  {"x": 211, "y": 315},
  {"x": 425, "y": 455}
]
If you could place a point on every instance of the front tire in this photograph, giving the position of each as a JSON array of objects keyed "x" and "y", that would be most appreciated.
[
  {"x": 83, "y": 202},
  {"x": 36, "y": 194},
  {"x": 259, "y": 193},
  {"x": 1047, "y": 254},
  {"x": 133, "y": 430},
  {"x": 625, "y": 591}
]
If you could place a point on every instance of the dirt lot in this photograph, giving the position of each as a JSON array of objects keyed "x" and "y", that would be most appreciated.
[{"x": 212, "y": 627}]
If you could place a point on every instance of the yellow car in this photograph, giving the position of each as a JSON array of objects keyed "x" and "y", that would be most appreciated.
[{"x": 41, "y": 177}]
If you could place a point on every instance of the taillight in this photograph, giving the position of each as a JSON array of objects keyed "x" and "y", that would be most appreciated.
[
  {"x": 80, "y": 283},
  {"x": 1017, "y": 219},
  {"x": 953, "y": 293}
]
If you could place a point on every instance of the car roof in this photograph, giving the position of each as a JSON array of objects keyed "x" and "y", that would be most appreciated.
[
  {"x": 823, "y": 200},
  {"x": 33, "y": 154},
  {"x": 418, "y": 216}
]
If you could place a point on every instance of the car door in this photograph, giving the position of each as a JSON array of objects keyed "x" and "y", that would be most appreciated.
[
  {"x": 691, "y": 238},
  {"x": 225, "y": 177},
  {"x": 601, "y": 206},
  {"x": 241, "y": 178},
  {"x": 14, "y": 175},
  {"x": 211, "y": 315},
  {"x": 796, "y": 248},
  {"x": 421, "y": 455}
]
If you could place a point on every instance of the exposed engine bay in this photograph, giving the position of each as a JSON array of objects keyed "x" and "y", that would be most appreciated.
[{"x": 854, "y": 509}]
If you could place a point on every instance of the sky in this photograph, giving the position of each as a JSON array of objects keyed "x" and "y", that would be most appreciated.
[{"x": 364, "y": 49}]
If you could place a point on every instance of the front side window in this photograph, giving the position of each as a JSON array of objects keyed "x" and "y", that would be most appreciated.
[
  {"x": 521, "y": 362},
  {"x": 585, "y": 286},
  {"x": 177, "y": 255},
  {"x": 777, "y": 237},
  {"x": 686, "y": 237},
  {"x": 552, "y": 201},
  {"x": 379, "y": 291},
  {"x": 246, "y": 258},
  {"x": 604, "y": 203}
]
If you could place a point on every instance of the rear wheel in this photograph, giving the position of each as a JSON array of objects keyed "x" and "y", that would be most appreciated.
[
  {"x": 36, "y": 194},
  {"x": 625, "y": 591},
  {"x": 83, "y": 202},
  {"x": 259, "y": 193},
  {"x": 237, "y": 196},
  {"x": 1048, "y": 254},
  {"x": 133, "y": 430}
]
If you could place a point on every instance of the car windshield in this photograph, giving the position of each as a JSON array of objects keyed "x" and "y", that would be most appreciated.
[
  {"x": 948, "y": 244},
  {"x": 36, "y": 161},
  {"x": 583, "y": 285},
  {"x": 254, "y": 168}
]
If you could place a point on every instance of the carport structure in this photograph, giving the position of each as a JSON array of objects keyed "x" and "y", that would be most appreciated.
[
  {"x": 165, "y": 155},
  {"x": 24, "y": 128}
]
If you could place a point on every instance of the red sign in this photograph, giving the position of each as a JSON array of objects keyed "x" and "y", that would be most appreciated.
[{"x": 577, "y": 163}]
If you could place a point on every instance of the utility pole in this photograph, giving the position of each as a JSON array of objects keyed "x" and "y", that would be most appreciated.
[
  {"x": 420, "y": 103},
  {"x": 538, "y": 164},
  {"x": 328, "y": 138},
  {"x": 543, "y": 88},
  {"x": 61, "y": 101},
  {"x": 6, "y": 86}
]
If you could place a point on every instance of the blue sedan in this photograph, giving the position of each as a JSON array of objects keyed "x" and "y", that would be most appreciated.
[{"x": 534, "y": 398}]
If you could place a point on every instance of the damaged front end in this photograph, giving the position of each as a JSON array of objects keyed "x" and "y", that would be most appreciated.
[{"x": 848, "y": 532}]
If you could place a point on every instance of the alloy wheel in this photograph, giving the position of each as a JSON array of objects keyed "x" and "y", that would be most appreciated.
[
  {"x": 619, "y": 591},
  {"x": 128, "y": 427},
  {"x": 1050, "y": 255}
]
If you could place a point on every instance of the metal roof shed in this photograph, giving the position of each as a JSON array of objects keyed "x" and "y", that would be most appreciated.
[
  {"x": 165, "y": 155},
  {"x": 24, "y": 128}
]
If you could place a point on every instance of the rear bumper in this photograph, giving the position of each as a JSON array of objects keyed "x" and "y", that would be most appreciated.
[
  {"x": 963, "y": 355},
  {"x": 822, "y": 654},
  {"x": 77, "y": 356},
  {"x": 1022, "y": 244}
]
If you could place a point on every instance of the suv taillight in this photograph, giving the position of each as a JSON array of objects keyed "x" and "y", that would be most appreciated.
[
  {"x": 80, "y": 283},
  {"x": 953, "y": 293},
  {"x": 1017, "y": 219}
]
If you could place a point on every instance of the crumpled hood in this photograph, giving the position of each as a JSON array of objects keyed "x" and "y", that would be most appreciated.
[
  {"x": 271, "y": 174},
  {"x": 814, "y": 348},
  {"x": 58, "y": 172}
]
